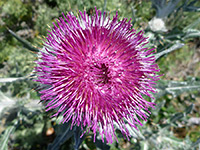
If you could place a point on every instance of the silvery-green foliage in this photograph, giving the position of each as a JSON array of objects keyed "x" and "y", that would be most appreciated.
[
  {"x": 162, "y": 138},
  {"x": 189, "y": 6},
  {"x": 4, "y": 138},
  {"x": 165, "y": 8},
  {"x": 63, "y": 133},
  {"x": 24, "y": 42},
  {"x": 175, "y": 88},
  {"x": 146, "y": 137}
]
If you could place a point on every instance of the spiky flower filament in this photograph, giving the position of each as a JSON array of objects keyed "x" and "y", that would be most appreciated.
[{"x": 98, "y": 69}]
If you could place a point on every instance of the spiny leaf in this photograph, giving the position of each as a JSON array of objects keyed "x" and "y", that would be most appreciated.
[
  {"x": 100, "y": 145},
  {"x": 5, "y": 136},
  {"x": 24, "y": 42},
  {"x": 191, "y": 7},
  {"x": 5, "y": 80},
  {"x": 77, "y": 138},
  {"x": 180, "y": 115},
  {"x": 63, "y": 134},
  {"x": 134, "y": 132},
  {"x": 104, "y": 7},
  {"x": 176, "y": 87},
  {"x": 176, "y": 117},
  {"x": 164, "y": 8},
  {"x": 189, "y": 109},
  {"x": 192, "y": 34},
  {"x": 196, "y": 143},
  {"x": 174, "y": 47}
]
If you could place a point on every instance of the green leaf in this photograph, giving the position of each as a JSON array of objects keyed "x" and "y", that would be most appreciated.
[
  {"x": 175, "y": 87},
  {"x": 180, "y": 115},
  {"x": 192, "y": 25},
  {"x": 164, "y": 8},
  {"x": 189, "y": 109},
  {"x": 192, "y": 34},
  {"x": 104, "y": 7},
  {"x": 176, "y": 117},
  {"x": 196, "y": 143},
  {"x": 24, "y": 42},
  {"x": 5, "y": 136},
  {"x": 63, "y": 134},
  {"x": 174, "y": 47},
  {"x": 156, "y": 111},
  {"x": 6, "y": 80},
  {"x": 78, "y": 140},
  {"x": 100, "y": 145},
  {"x": 134, "y": 132}
]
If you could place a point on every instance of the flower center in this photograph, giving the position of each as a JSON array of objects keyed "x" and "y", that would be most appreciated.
[
  {"x": 102, "y": 73},
  {"x": 97, "y": 73}
]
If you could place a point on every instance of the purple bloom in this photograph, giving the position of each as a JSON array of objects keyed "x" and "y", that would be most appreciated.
[{"x": 97, "y": 69}]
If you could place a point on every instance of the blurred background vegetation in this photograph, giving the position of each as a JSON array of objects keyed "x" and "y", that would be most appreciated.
[{"x": 174, "y": 124}]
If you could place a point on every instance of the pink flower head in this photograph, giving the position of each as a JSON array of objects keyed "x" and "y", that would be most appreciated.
[{"x": 97, "y": 69}]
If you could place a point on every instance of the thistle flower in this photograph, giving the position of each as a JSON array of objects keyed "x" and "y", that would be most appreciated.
[{"x": 97, "y": 70}]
